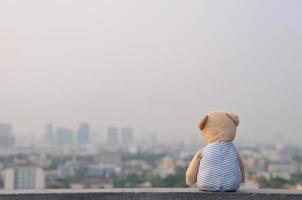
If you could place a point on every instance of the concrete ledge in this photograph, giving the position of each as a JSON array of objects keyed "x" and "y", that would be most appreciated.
[{"x": 148, "y": 194}]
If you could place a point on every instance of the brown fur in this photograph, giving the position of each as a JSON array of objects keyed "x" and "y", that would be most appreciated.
[{"x": 215, "y": 126}]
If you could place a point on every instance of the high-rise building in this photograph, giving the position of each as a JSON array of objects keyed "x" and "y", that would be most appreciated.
[
  {"x": 151, "y": 139},
  {"x": 64, "y": 136},
  {"x": 50, "y": 135},
  {"x": 6, "y": 136},
  {"x": 83, "y": 134},
  {"x": 24, "y": 177},
  {"x": 112, "y": 135},
  {"x": 127, "y": 135}
]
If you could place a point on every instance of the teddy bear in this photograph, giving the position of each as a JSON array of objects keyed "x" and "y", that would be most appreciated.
[{"x": 218, "y": 166}]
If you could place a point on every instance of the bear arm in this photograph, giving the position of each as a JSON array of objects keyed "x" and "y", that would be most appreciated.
[
  {"x": 242, "y": 171},
  {"x": 191, "y": 174}
]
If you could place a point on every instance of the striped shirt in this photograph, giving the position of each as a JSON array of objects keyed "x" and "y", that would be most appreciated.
[{"x": 219, "y": 168}]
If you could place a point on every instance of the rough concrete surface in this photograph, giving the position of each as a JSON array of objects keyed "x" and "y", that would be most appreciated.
[{"x": 148, "y": 194}]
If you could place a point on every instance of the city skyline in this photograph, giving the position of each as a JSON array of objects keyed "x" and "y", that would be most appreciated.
[{"x": 83, "y": 134}]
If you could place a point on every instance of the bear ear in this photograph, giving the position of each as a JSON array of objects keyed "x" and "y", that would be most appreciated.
[
  {"x": 233, "y": 117},
  {"x": 202, "y": 122}
]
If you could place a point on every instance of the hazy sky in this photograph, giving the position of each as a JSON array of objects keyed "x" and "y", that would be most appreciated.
[{"x": 156, "y": 65}]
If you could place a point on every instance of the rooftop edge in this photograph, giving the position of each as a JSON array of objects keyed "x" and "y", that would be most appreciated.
[{"x": 148, "y": 194}]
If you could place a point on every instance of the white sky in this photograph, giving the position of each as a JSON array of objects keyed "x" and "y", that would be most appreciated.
[{"x": 155, "y": 65}]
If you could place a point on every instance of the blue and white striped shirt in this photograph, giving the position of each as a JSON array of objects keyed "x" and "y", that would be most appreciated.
[{"x": 219, "y": 168}]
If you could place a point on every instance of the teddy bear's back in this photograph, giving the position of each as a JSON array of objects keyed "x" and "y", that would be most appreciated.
[{"x": 219, "y": 168}]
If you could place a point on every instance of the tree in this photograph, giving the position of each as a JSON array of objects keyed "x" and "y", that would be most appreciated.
[
  {"x": 262, "y": 181},
  {"x": 278, "y": 183}
]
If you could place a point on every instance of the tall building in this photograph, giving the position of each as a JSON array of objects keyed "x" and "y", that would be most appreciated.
[
  {"x": 151, "y": 139},
  {"x": 64, "y": 136},
  {"x": 50, "y": 135},
  {"x": 112, "y": 135},
  {"x": 6, "y": 136},
  {"x": 127, "y": 135},
  {"x": 83, "y": 134},
  {"x": 24, "y": 177}
]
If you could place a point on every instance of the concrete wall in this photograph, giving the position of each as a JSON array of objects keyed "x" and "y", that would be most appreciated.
[{"x": 148, "y": 194}]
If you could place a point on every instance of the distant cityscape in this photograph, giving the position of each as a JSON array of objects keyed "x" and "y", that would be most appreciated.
[{"x": 72, "y": 159}]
